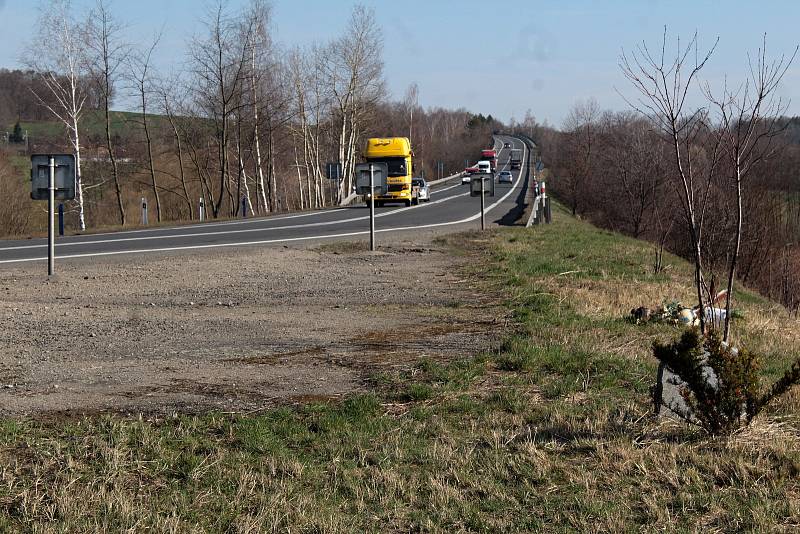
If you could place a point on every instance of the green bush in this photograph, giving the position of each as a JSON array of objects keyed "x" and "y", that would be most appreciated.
[{"x": 734, "y": 398}]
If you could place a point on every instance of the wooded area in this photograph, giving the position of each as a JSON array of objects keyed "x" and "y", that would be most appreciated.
[{"x": 613, "y": 168}]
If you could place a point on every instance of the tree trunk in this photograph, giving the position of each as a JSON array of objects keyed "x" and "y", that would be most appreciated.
[
  {"x": 150, "y": 155},
  {"x": 180, "y": 159},
  {"x": 120, "y": 204}
]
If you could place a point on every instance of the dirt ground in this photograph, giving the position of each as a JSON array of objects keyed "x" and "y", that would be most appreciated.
[{"x": 234, "y": 330}]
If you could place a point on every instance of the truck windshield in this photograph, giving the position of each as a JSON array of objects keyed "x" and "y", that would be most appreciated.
[{"x": 397, "y": 166}]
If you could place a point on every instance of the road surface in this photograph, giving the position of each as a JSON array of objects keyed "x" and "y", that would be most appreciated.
[{"x": 450, "y": 207}]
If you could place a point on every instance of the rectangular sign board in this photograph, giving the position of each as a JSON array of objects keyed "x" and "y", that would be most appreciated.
[
  {"x": 475, "y": 185},
  {"x": 380, "y": 172},
  {"x": 65, "y": 176},
  {"x": 334, "y": 171}
]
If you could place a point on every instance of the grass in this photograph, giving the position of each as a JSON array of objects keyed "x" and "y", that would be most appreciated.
[
  {"x": 93, "y": 124},
  {"x": 548, "y": 433}
]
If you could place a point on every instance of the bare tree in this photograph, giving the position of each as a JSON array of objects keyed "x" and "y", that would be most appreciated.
[
  {"x": 748, "y": 123},
  {"x": 664, "y": 83},
  {"x": 220, "y": 62},
  {"x": 355, "y": 71},
  {"x": 58, "y": 57},
  {"x": 108, "y": 53},
  {"x": 581, "y": 130},
  {"x": 411, "y": 101},
  {"x": 142, "y": 78},
  {"x": 260, "y": 50},
  {"x": 168, "y": 108}
]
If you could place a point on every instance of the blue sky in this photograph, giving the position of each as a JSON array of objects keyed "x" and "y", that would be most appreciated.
[{"x": 491, "y": 57}]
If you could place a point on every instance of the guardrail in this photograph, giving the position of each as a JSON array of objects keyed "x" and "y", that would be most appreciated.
[{"x": 446, "y": 179}]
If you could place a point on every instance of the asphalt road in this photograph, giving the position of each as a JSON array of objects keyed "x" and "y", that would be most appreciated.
[{"x": 450, "y": 206}]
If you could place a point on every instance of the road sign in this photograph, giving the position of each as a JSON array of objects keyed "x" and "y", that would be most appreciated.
[
  {"x": 380, "y": 172},
  {"x": 333, "y": 171},
  {"x": 475, "y": 184},
  {"x": 65, "y": 176}
]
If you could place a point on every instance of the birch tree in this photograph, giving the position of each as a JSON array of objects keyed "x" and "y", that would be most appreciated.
[
  {"x": 261, "y": 47},
  {"x": 355, "y": 73},
  {"x": 58, "y": 57}
]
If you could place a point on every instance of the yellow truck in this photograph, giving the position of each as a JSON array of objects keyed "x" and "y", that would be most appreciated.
[{"x": 396, "y": 153}]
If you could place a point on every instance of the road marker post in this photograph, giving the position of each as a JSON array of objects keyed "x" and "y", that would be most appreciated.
[
  {"x": 61, "y": 219},
  {"x": 202, "y": 210},
  {"x": 144, "y": 211}
]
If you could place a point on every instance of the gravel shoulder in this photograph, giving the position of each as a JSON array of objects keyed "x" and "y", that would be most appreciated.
[{"x": 235, "y": 330}]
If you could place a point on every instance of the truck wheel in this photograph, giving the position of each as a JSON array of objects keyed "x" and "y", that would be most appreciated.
[
  {"x": 408, "y": 203},
  {"x": 379, "y": 203}
]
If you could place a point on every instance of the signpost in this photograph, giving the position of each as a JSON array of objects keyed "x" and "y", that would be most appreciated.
[
  {"x": 371, "y": 181},
  {"x": 478, "y": 187},
  {"x": 333, "y": 171},
  {"x": 52, "y": 177}
]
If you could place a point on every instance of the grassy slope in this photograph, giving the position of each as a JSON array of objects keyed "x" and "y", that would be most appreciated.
[
  {"x": 93, "y": 123},
  {"x": 548, "y": 433}
]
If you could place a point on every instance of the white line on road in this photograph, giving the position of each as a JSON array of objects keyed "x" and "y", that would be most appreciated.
[{"x": 231, "y": 232}]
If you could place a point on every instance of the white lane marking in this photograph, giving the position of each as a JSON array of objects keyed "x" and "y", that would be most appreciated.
[
  {"x": 270, "y": 241},
  {"x": 291, "y": 239},
  {"x": 245, "y": 231},
  {"x": 252, "y": 220}
]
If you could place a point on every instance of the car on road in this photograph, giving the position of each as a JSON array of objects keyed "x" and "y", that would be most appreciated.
[
  {"x": 505, "y": 177},
  {"x": 423, "y": 190},
  {"x": 506, "y": 145}
]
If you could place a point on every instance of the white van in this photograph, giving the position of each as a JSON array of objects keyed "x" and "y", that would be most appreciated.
[{"x": 485, "y": 166}]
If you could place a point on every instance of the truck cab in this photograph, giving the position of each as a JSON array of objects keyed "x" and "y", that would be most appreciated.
[
  {"x": 396, "y": 153},
  {"x": 490, "y": 155},
  {"x": 485, "y": 166}
]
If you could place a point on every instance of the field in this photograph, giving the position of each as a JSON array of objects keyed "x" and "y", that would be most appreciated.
[
  {"x": 549, "y": 430},
  {"x": 93, "y": 124}
]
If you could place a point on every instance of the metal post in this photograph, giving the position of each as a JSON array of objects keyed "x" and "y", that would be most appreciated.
[
  {"x": 483, "y": 219},
  {"x": 371, "y": 208},
  {"x": 144, "y": 211},
  {"x": 61, "y": 219},
  {"x": 202, "y": 210},
  {"x": 51, "y": 223}
]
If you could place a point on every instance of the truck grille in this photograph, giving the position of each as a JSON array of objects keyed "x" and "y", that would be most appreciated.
[{"x": 396, "y": 188}]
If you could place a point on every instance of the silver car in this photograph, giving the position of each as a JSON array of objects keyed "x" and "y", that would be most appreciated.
[
  {"x": 423, "y": 190},
  {"x": 505, "y": 177}
]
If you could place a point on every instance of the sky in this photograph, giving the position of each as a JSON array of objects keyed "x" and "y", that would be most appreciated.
[{"x": 501, "y": 58}]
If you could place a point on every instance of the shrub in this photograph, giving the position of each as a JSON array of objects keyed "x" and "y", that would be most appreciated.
[{"x": 721, "y": 385}]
